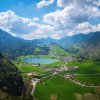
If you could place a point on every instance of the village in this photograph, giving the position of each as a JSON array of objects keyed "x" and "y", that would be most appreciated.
[
  {"x": 35, "y": 76},
  {"x": 61, "y": 69}
]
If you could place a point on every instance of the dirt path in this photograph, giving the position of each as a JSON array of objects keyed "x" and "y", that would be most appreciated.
[
  {"x": 34, "y": 82},
  {"x": 78, "y": 83}
]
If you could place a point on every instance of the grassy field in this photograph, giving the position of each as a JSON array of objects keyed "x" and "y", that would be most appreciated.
[
  {"x": 23, "y": 67},
  {"x": 57, "y": 50},
  {"x": 86, "y": 67},
  {"x": 91, "y": 79},
  {"x": 55, "y": 64},
  {"x": 58, "y": 88},
  {"x": 26, "y": 67}
]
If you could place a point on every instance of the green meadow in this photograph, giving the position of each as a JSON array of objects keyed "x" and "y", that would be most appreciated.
[
  {"x": 86, "y": 67},
  {"x": 88, "y": 72},
  {"x": 89, "y": 79},
  {"x": 59, "y": 88}
]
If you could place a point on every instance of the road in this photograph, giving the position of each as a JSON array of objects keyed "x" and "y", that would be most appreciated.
[{"x": 34, "y": 82}]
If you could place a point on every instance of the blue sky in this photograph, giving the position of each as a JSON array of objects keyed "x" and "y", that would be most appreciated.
[
  {"x": 30, "y": 19},
  {"x": 25, "y": 8}
]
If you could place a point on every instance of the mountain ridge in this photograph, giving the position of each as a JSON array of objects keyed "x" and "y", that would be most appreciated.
[{"x": 14, "y": 46}]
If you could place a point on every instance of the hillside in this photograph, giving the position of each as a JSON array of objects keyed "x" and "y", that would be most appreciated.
[
  {"x": 14, "y": 46},
  {"x": 91, "y": 47},
  {"x": 10, "y": 78},
  {"x": 59, "y": 88},
  {"x": 79, "y": 44},
  {"x": 86, "y": 46},
  {"x": 94, "y": 38},
  {"x": 57, "y": 50}
]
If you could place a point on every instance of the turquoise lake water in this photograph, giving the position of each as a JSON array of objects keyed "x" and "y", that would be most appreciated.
[{"x": 39, "y": 60}]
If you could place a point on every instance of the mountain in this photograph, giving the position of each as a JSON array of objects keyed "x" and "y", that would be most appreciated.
[
  {"x": 14, "y": 46},
  {"x": 10, "y": 78},
  {"x": 92, "y": 37},
  {"x": 57, "y": 50},
  {"x": 45, "y": 41},
  {"x": 92, "y": 46},
  {"x": 88, "y": 47}
]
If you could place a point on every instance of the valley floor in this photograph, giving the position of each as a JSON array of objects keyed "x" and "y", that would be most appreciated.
[{"x": 78, "y": 81}]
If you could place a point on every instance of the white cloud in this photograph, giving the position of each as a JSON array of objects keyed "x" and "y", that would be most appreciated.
[
  {"x": 71, "y": 19},
  {"x": 67, "y": 15},
  {"x": 16, "y": 25},
  {"x": 82, "y": 3},
  {"x": 96, "y": 28},
  {"x": 74, "y": 13},
  {"x": 24, "y": 27},
  {"x": 36, "y": 19},
  {"x": 85, "y": 28},
  {"x": 43, "y": 3}
]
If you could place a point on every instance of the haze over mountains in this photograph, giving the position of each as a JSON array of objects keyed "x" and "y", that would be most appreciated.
[
  {"x": 79, "y": 38},
  {"x": 14, "y": 46}
]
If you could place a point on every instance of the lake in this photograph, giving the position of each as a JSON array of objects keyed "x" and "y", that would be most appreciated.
[{"x": 39, "y": 60}]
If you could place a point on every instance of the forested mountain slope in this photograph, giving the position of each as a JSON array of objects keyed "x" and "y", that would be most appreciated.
[{"x": 11, "y": 80}]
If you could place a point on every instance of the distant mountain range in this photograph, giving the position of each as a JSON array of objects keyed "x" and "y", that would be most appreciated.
[
  {"x": 15, "y": 46},
  {"x": 90, "y": 38}
]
